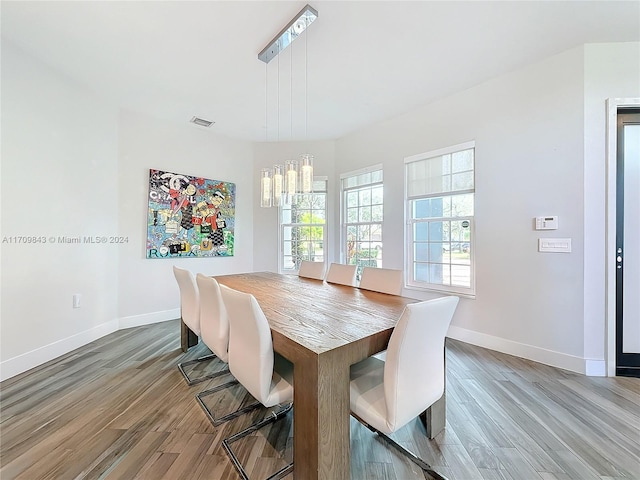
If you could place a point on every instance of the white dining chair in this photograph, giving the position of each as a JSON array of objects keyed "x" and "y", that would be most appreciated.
[
  {"x": 190, "y": 314},
  {"x": 342, "y": 274},
  {"x": 214, "y": 333},
  {"x": 386, "y": 395},
  {"x": 268, "y": 377},
  {"x": 313, "y": 270},
  {"x": 384, "y": 280}
]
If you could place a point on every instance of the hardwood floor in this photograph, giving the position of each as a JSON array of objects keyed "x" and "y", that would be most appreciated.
[{"x": 118, "y": 408}]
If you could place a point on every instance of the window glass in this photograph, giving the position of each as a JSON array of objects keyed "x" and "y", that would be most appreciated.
[
  {"x": 362, "y": 199},
  {"x": 440, "y": 209},
  {"x": 303, "y": 228}
]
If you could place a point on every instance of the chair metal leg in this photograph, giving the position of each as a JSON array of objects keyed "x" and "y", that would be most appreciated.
[
  {"x": 229, "y": 416},
  {"x": 193, "y": 381},
  {"x": 413, "y": 457},
  {"x": 226, "y": 444}
]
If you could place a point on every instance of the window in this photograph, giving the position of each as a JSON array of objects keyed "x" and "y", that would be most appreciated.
[
  {"x": 362, "y": 218},
  {"x": 440, "y": 190},
  {"x": 302, "y": 228}
]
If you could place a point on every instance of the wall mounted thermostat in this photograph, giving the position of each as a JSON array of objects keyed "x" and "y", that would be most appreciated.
[{"x": 547, "y": 223}]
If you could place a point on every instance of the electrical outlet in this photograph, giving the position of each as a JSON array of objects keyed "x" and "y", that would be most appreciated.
[{"x": 76, "y": 300}]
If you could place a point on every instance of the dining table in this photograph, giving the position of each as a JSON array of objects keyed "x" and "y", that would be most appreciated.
[{"x": 323, "y": 329}]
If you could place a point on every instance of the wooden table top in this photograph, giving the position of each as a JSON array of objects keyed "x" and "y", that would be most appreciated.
[{"x": 319, "y": 316}]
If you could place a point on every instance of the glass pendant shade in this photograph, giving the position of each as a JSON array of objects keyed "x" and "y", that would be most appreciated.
[
  {"x": 292, "y": 174},
  {"x": 278, "y": 185},
  {"x": 265, "y": 187},
  {"x": 306, "y": 173}
]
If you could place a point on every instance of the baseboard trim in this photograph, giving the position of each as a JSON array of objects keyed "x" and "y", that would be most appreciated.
[
  {"x": 20, "y": 364},
  {"x": 148, "y": 318},
  {"x": 595, "y": 368},
  {"x": 26, "y": 361},
  {"x": 530, "y": 352}
]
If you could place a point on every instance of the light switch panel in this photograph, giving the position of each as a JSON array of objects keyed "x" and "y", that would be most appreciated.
[{"x": 555, "y": 245}]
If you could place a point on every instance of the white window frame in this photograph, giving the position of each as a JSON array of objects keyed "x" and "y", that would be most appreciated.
[
  {"x": 343, "y": 207},
  {"x": 282, "y": 226},
  {"x": 410, "y": 221}
]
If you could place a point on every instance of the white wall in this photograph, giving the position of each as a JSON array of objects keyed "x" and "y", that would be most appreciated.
[
  {"x": 73, "y": 166},
  {"x": 611, "y": 71},
  {"x": 59, "y": 178},
  {"x": 265, "y": 225},
  {"x": 528, "y": 129},
  {"x": 147, "y": 291}
]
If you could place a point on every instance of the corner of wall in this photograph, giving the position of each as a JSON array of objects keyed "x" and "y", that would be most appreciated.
[{"x": 148, "y": 318}]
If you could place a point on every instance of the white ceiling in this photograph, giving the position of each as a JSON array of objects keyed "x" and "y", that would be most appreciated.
[{"x": 365, "y": 61}]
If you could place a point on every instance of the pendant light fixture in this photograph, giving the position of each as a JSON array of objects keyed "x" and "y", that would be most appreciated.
[
  {"x": 279, "y": 185},
  {"x": 292, "y": 174},
  {"x": 306, "y": 173},
  {"x": 266, "y": 178}
]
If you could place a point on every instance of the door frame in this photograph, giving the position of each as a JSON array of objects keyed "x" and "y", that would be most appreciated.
[{"x": 613, "y": 104}]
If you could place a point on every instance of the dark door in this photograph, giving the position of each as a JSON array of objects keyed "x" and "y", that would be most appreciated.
[{"x": 628, "y": 244}]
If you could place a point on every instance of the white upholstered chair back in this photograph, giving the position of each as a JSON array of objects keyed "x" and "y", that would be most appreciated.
[
  {"x": 214, "y": 324},
  {"x": 189, "y": 299},
  {"x": 311, "y": 270},
  {"x": 414, "y": 371},
  {"x": 342, "y": 274},
  {"x": 384, "y": 280},
  {"x": 251, "y": 356}
]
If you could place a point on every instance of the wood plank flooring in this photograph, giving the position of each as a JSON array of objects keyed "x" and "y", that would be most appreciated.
[{"x": 118, "y": 408}]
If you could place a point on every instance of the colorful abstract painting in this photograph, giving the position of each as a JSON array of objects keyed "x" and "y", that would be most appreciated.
[{"x": 189, "y": 216}]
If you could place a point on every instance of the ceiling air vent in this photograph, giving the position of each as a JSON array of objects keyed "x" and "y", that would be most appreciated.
[{"x": 201, "y": 121}]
